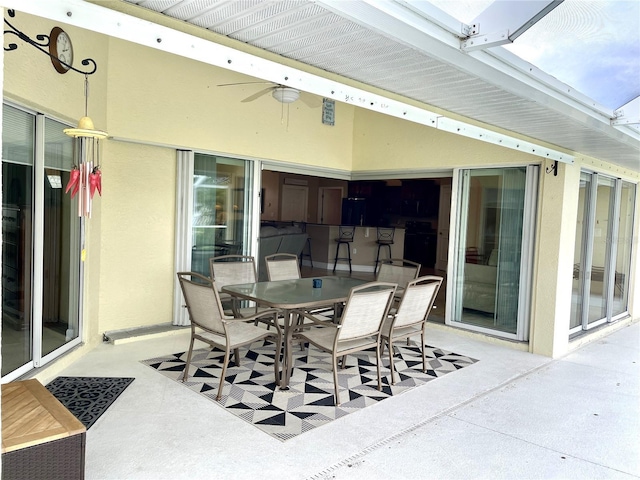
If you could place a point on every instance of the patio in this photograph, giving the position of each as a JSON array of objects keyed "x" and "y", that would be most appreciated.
[{"x": 511, "y": 414}]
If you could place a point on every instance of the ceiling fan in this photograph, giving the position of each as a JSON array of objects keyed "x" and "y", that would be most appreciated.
[{"x": 281, "y": 93}]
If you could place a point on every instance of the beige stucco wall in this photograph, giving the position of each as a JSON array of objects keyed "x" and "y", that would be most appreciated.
[
  {"x": 382, "y": 142},
  {"x": 162, "y": 98},
  {"x": 553, "y": 267},
  {"x": 137, "y": 231}
]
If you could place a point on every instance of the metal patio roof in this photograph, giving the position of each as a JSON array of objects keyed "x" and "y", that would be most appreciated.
[{"x": 416, "y": 51}]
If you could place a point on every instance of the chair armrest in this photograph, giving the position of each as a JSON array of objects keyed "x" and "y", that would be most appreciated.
[
  {"x": 264, "y": 313},
  {"x": 323, "y": 322}
]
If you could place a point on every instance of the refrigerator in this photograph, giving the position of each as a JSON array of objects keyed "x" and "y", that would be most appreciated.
[{"x": 354, "y": 211}]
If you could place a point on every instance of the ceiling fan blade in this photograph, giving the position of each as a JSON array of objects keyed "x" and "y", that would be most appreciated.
[
  {"x": 256, "y": 95},
  {"x": 245, "y": 83}
]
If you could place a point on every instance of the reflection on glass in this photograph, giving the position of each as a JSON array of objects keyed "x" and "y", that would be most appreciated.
[
  {"x": 17, "y": 227},
  {"x": 218, "y": 209},
  {"x": 61, "y": 254},
  {"x": 601, "y": 246},
  {"x": 18, "y": 133},
  {"x": 491, "y": 248},
  {"x": 623, "y": 256},
  {"x": 60, "y": 310},
  {"x": 578, "y": 267}
]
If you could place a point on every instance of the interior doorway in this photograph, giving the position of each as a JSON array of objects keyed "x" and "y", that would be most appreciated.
[{"x": 294, "y": 203}]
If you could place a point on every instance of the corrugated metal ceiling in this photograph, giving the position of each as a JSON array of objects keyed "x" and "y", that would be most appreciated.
[{"x": 311, "y": 33}]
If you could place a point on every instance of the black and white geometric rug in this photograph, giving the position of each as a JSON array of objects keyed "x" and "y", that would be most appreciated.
[
  {"x": 88, "y": 397},
  {"x": 249, "y": 389}
]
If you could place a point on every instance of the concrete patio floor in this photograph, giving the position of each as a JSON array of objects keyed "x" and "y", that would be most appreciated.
[{"x": 511, "y": 415}]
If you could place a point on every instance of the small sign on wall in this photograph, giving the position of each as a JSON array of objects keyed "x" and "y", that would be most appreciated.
[{"x": 328, "y": 111}]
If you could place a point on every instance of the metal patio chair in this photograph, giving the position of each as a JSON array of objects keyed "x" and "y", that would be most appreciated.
[
  {"x": 210, "y": 324},
  {"x": 232, "y": 270},
  {"x": 282, "y": 266},
  {"x": 399, "y": 271},
  {"x": 357, "y": 329},
  {"x": 410, "y": 318}
]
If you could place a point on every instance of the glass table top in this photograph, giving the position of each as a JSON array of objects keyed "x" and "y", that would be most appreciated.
[{"x": 296, "y": 293}]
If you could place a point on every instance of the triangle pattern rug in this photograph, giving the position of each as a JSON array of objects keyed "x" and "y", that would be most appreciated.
[{"x": 249, "y": 389}]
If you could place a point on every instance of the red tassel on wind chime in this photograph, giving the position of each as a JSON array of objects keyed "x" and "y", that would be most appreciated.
[{"x": 86, "y": 177}]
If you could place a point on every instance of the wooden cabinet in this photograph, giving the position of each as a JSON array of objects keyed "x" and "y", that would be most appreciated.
[{"x": 420, "y": 198}]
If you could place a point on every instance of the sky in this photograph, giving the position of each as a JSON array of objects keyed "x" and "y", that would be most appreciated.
[{"x": 591, "y": 45}]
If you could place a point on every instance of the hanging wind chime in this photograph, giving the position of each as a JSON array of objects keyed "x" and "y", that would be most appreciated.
[{"x": 86, "y": 177}]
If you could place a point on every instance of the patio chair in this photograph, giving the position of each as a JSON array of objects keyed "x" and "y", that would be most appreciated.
[
  {"x": 357, "y": 329},
  {"x": 219, "y": 330},
  {"x": 282, "y": 266},
  {"x": 399, "y": 271},
  {"x": 232, "y": 270},
  {"x": 411, "y": 316}
]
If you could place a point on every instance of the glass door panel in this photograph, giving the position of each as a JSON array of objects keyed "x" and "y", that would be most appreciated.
[
  {"x": 61, "y": 254},
  {"x": 17, "y": 229},
  {"x": 622, "y": 262},
  {"x": 600, "y": 250},
  {"x": 490, "y": 237},
  {"x": 602, "y": 262},
  {"x": 581, "y": 241},
  {"x": 221, "y": 204}
]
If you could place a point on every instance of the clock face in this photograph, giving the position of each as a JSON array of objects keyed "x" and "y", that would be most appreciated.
[
  {"x": 65, "y": 50},
  {"x": 61, "y": 50}
]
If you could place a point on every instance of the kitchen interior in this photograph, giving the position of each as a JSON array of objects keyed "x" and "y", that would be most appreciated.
[{"x": 410, "y": 204}]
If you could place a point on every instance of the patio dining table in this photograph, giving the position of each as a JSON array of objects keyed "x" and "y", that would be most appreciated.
[{"x": 296, "y": 294}]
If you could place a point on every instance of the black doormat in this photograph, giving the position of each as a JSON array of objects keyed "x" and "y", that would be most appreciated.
[{"x": 88, "y": 397}]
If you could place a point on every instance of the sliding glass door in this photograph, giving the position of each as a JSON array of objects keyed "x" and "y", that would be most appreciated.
[
  {"x": 221, "y": 207},
  {"x": 216, "y": 200},
  {"x": 494, "y": 212},
  {"x": 602, "y": 258},
  {"x": 41, "y": 270}
]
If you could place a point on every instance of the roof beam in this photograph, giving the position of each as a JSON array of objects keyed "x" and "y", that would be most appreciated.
[
  {"x": 628, "y": 114},
  {"x": 498, "y": 67},
  {"x": 504, "y": 21}
]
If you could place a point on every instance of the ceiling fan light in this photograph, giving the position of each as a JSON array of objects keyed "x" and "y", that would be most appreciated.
[{"x": 286, "y": 94}]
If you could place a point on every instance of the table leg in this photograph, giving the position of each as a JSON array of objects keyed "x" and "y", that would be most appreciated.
[{"x": 286, "y": 357}]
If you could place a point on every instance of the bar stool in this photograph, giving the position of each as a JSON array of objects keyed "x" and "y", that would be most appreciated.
[
  {"x": 385, "y": 239},
  {"x": 346, "y": 234},
  {"x": 306, "y": 250}
]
